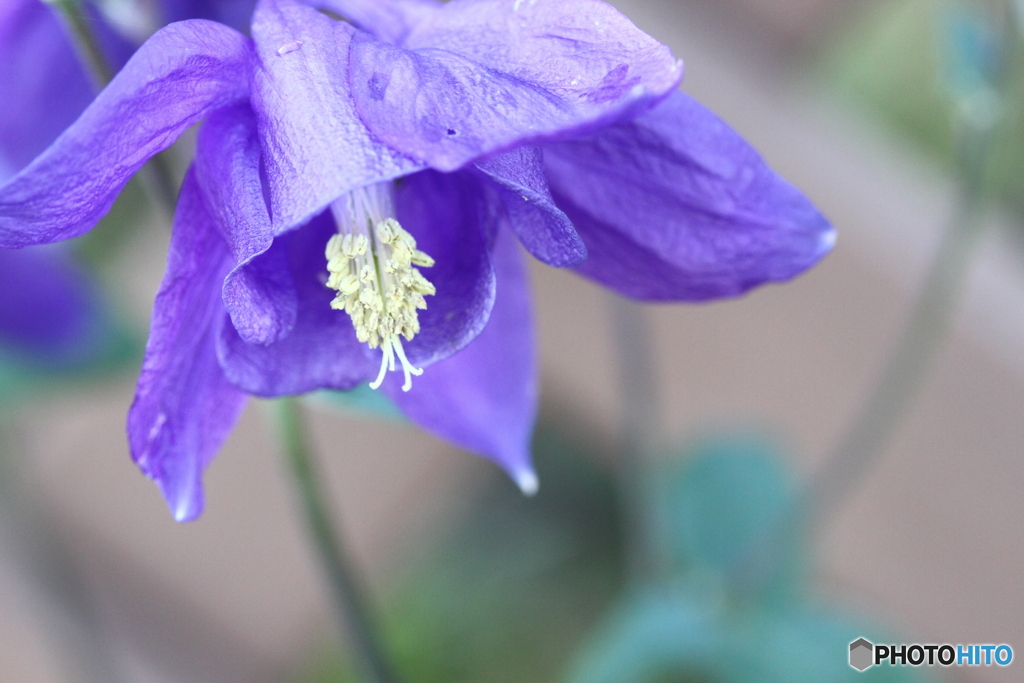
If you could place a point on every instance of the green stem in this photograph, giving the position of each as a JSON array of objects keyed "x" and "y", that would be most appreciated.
[
  {"x": 907, "y": 367},
  {"x": 156, "y": 176},
  {"x": 925, "y": 329},
  {"x": 639, "y": 415},
  {"x": 905, "y": 371},
  {"x": 348, "y": 596},
  {"x": 89, "y": 51}
]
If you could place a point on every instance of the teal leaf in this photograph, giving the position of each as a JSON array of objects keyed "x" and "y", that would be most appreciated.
[
  {"x": 802, "y": 644},
  {"x": 653, "y": 636},
  {"x": 726, "y": 501},
  {"x": 670, "y": 635}
]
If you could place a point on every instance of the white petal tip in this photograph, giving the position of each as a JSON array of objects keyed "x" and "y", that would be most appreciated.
[
  {"x": 184, "y": 512},
  {"x": 527, "y": 482},
  {"x": 827, "y": 241}
]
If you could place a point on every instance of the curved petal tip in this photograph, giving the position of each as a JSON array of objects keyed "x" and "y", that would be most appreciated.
[
  {"x": 527, "y": 481},
  {"x": 827, "y": 241},
  {"x": 186, "y": 512},
  {"x": 185, "y": 502}
]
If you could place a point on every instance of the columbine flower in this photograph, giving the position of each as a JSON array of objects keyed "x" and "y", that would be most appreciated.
[
  {"x": 49, "y": 306},
  {"x": 353, "y": 208},
  {"x": 45, "y": 87}
]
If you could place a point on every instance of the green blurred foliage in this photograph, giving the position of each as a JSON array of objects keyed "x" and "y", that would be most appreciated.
[
  {"x": 533, "y": 590},
  {"x": 901, "y": 62},
  {"x": 891, "y": 61},
  {"x": 720, "y": 505},
  {"x": 720, "y": 499},
  {"x": 677, "y": 634},
  {"x": 507, "y": 592}
]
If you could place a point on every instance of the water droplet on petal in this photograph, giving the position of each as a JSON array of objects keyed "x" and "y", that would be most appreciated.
[{"x": 290, "y": 47}]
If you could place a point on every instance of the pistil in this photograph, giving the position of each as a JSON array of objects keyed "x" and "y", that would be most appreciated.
[{"x": 373, "y": 264}]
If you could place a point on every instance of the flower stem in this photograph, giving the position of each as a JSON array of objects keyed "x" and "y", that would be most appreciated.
[
  {"x": 89, "y": 51},
  {"x": 348, "y": 596},
  {"x": 639, "y": 415},
  {"x": 903, "y": 374},
  {"x": 156, "y": 176},
  {"x": 908, "y": 364},
  {"x": 930, "y": 316}
]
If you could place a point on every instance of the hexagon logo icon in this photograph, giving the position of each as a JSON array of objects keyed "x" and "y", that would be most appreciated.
[{"x": 862, "y": 654}]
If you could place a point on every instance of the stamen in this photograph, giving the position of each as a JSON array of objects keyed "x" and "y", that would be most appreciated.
[
  {"x": 373, "y": 264},
  {"x": 384, "y": 360},
  {"x": 407, "y": 367}
]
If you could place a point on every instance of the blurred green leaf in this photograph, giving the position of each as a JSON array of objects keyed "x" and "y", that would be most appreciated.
[
  {"x": 723, "y": 501},
  {"x": 682, "y": 635},
  {"x": 654, "y": 636},
  {"x": 896, "y": 62},
  {"x": 725, "y": 497},
  {"x": 891, "y": 62},
  {"x": 803, "y": 644}
]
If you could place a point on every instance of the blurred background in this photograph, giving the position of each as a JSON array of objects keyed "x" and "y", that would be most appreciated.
[{"x": 473, "y": 582}]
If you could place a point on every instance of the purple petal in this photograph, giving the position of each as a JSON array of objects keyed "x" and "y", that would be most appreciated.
[
  {"x": 41, "y": 76},
  {"x": 676, "y": 205},
  {"x": 390, "y": 21},
  {"x": 541, "y": 226},
  {"x": 316, "y": 147},
  {"x": 452, "y": 221},
  {"x": 484, "y": 398},
  {"x": 482, "y": 76},
  {"x": 259, "y": 293},
  {"x": 449, "y": 218},
  {"x": 322, "y": 351},
  {"x": 49, "y": 307},
  {"x": 184, "y": 407},
  {"x": 183, "y": 72}
]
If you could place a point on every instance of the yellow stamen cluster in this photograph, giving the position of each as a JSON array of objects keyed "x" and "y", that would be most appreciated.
[{"x": 373, "y": 266}]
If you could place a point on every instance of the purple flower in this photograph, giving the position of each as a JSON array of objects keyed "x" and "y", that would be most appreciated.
[
  {"x": 49, "y": 307},
  {"x": 44, "y": 83},
  {"x": 50, "y": 311},
  {"x": 48, "y": 304},
  {"x": 358, "y": 189}
]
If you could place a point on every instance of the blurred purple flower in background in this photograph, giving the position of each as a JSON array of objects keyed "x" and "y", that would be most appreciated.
[
  {"x": 412, "y": 142},
  {"x": 49, "y": 307},
  {"x": 44, "y": 83},
  {"x": 49, "y": 304}
]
